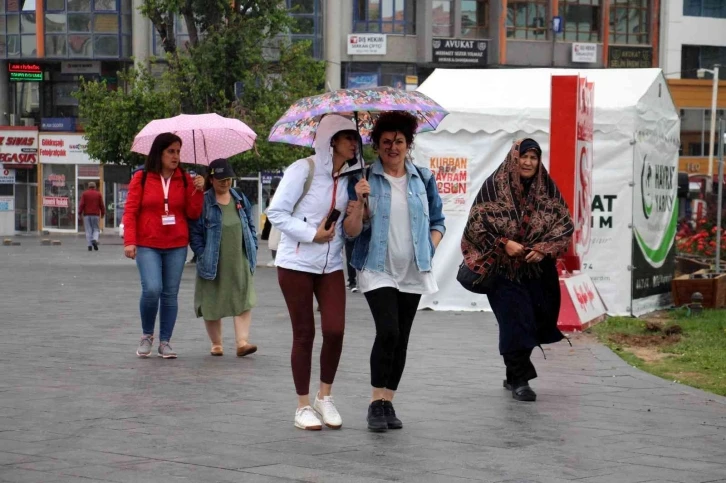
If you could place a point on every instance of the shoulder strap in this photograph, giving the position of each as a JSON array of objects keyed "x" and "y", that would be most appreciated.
[{"x": 308, "y": 182}]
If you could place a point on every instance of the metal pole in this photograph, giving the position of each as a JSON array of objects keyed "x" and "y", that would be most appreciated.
[
  {"x": 712, "y": 147},
  {"x": 332, "y": 13},
  {"x": 719, "y": 202}
]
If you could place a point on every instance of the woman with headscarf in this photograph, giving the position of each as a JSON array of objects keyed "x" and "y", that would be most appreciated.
[
  {"x": 310, "y": 263},
  {"x": 517, "y": 227}
]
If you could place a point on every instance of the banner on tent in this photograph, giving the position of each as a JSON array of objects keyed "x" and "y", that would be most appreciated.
[
  {"x": 452, "y": 180},
  {"x": 655, "y": 215}
]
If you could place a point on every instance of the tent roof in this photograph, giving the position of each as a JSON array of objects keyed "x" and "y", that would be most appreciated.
[{"x": 519, "y": 99}]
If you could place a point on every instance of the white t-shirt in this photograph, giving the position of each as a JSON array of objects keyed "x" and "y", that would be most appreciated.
[{"x": 401, "y": 271}]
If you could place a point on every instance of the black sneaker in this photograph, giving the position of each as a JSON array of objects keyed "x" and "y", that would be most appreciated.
[
  {"x": 390, "y": 413},
  {"x": 524, "y": 393},
  {"x": 377, "y": 417},
  {"x": 95, "y": 245}
]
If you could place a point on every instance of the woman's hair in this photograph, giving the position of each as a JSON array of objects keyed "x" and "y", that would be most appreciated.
[
  {"x": 208, "y": 182},
  {"x": 394, "y": 121},
  {"x": 162, "y": 141}
]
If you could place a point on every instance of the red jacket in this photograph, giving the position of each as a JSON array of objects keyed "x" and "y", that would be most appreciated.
[
  {"x": 91, "y": 204},
  {"x": 142, "y": 216}
]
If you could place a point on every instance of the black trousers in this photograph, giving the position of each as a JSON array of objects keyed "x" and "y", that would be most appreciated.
[
  {"x": 520, "y": 369},
  {"x": 349, "y": 244},
  {"x": 393, "y": 313}
]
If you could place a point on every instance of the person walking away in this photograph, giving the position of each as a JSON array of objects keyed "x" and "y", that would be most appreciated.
[
  {"x": 518, "y": 226},
  {"x": 92, "y": 210},
  {"x": 309, "y": 261},
  {"x": 225, "y": 242},
  {"x": 393, "y": 252},
  {"x": 160, "y": 200}
]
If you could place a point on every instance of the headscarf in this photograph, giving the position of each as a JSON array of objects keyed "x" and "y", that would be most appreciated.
[{"x": 537, "y": 218}]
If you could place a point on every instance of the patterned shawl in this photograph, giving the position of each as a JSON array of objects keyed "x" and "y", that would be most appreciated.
[{"x": 504, "y": 210}]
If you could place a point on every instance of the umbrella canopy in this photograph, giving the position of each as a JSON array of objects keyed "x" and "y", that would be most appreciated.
[
  {"x": 205, "y": 137},
  {"x": 299, "y": 124}
]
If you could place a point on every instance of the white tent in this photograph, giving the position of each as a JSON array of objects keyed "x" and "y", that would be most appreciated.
[{"x": 635, "y": 169}]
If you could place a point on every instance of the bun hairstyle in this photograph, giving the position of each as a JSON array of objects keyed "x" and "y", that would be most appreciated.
[{"x": 394, "y": 121}]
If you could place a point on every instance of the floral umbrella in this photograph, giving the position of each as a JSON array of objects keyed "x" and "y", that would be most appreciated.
[{"x": 299, "y": 124}]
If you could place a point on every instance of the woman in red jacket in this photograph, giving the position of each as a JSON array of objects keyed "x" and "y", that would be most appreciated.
[{"x": 160, "y": 200}]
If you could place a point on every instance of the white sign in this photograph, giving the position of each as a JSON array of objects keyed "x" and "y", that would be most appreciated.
[
  {"x": 7, "y": 203},
  {"x": 18, "y": 147},
  {"x": 585, "y": 297},
  {"x": 584, "y": 53},
  {"x": 81, "y": 67},
  {"x": 367, "y": 44},
  {"x": 7, "y": 176},
  {"x": 55, "y": 201},
  {"x": 64, "y": 149},
  {"x": 451, "y": 173}
]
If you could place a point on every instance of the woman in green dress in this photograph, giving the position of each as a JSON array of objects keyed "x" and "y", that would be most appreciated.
[{"x": 225, "y": 243}]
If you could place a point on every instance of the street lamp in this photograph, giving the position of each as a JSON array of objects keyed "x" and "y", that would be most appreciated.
[{"x": 701, "y": 73}]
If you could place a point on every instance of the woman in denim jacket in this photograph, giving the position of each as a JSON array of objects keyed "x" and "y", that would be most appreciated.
[
  {"x": 396, "y": 231},
  {"x": 225, "y": 243}
]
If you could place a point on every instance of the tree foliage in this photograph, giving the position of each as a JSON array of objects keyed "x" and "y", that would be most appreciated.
[{"x": 238, "y": 63}]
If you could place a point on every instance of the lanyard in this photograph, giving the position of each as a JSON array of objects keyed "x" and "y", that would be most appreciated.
[{"x": 165, "y": 183}]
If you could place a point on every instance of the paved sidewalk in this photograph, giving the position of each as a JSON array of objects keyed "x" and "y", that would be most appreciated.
[{"x": 76, "y": 404}]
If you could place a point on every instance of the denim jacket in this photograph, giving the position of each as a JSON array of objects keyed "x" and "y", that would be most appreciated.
[
  {"x": 205, "y": 234},
  {"x": 425, "y": 210}
]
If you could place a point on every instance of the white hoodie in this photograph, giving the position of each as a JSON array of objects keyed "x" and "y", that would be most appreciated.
[{"x": 296, "y": 250}]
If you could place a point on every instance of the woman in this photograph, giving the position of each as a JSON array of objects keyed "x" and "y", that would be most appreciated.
[
  {"x": 225, "y": 243},
  {"x": 161, "y": 197},
  {"x": 309, "y": 261},
  {"x": 517, "y": 227},
  {"x": 393, "y": 253}
]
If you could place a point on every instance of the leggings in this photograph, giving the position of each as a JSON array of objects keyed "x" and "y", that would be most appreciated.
[
  {"x": 298, "y": 289},
  {"x": 393, "y": 313}
]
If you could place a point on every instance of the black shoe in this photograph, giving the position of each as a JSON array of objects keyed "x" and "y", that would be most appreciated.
[
  {"x": 524, "y": 393},
  {"x": 95, "y": 245},
  {"x": 390, "y": 413},
  {"x": 377, "y": 417},
  {"x": 90, "y": 248}
]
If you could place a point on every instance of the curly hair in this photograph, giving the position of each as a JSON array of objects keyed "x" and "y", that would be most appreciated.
[{"x": 394, "y": 121}]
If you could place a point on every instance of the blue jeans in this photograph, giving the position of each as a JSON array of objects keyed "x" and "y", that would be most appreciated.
[
  {"x": 90, "y": 225},
  {"x": 161, "y": 273}
]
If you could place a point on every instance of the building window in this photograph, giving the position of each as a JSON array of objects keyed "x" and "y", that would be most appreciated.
[
  {"x": 308, "y": 18},
  {"x": 582, "y": 19},
  {"x": 526, "y": 19},
  {"x": 475, "y": 19},
  {"x": 704, "y": 8},
  {"x": 629, "y": 21},
  {"x": 385, "y": 16},
  {"x": 443, "y": 18},
  {"x": 696, "y": 132},
  {"x": 694, "y": 57}
]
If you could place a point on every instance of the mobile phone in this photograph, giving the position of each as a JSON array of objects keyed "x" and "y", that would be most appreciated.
[{"x": 332, "y": 218}]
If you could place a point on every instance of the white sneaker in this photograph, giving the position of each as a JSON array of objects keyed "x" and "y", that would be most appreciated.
[
  {"x": 326, "y": 408},
  {"x": 271, "y": 263},
  {"x": 305, "y": 418}
]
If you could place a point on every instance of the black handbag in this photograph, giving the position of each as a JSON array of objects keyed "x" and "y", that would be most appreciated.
[{"x": 474, "y": 282}]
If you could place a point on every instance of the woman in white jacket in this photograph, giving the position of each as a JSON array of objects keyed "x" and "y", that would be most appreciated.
[{"x": 310, "y": 263}]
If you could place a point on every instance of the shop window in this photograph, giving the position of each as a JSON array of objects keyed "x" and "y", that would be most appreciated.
[
  {"x": 475, "y": 19},
  {"x": 443, "y": 18},
  {"x": 59, "y": 197},
  {"x": 696, "y": 132},
  {"x": 704, "y": 8},
  {"x": 694, "y": 57},
  {"x": 385, "y": 16},
  {"x": 581, "y": 19},
  {"x": 527, "y": 19},
  {"x": 629, "y": 21}
]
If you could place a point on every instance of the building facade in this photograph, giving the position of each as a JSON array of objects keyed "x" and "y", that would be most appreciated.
[{"x": 694, "y": 37}]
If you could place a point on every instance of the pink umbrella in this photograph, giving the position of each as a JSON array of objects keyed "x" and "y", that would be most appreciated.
[{"x": 205, "y": 137}]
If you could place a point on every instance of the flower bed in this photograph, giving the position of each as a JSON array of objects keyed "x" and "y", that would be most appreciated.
[{"x": 699, "y": 241}]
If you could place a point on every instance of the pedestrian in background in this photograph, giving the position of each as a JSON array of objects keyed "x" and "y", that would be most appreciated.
[
  {"x": 160, "y": 200},
  {"x": 225, "y": 243},
  {"x": 92, "y": 210},
  {"x": 310, "y": 261},
  {"x": 393, "y": 252},
  {"x": 518, "y": 226}
]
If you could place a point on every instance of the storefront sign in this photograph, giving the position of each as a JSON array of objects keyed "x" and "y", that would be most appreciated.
[
  {"x": 62, "y": 124},
  {"x": 22, "y": 72},
  {"x": 7, "y": 203},
  {"x": 55, "y": 201},
  {"x": 19, "y": 147},
  {"x": 584, "y": 53},
  {"x": 7, "y": 176},
  {"x": 630, "y": 57},
  {"x": 367, "y": 44},
  {"x": 452, "y": 181},
  {"x": 81, "y": 67},
  {"x": 64, "y": 149},
  {"x": 460, "y": 51}
]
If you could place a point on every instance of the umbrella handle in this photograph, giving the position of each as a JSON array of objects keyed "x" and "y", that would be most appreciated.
[{"x": 360, "y": 149}]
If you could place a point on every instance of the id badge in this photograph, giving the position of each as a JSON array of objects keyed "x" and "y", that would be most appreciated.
[{"x": 168, "y": 220}]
